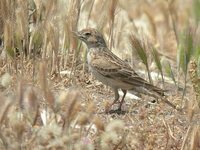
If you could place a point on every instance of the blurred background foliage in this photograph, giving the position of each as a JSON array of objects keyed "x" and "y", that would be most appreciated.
[{"x": 38, "y": 47}]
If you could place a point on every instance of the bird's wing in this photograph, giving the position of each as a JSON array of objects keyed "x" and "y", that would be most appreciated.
[
  {"x": 129, "y": 76},
  {"x": 111, "y": 66}
]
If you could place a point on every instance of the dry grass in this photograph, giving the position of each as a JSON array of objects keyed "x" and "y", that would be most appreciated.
[{"x": 50, "y": 101}]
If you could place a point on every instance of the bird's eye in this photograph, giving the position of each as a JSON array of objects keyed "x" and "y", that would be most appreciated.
[{"x": 87, "y": 33}]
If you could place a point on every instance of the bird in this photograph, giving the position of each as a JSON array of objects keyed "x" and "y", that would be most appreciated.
[{"x": 111, "y": 70}]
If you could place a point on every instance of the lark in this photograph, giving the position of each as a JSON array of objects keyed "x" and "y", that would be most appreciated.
[{"x": 111, "y": 70}]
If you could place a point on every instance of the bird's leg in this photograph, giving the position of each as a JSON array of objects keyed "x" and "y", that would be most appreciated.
[
  {"x": 116, "y": 96},
  {"x": 116, "y": 99},
  {"x": 122, "y": 101}
]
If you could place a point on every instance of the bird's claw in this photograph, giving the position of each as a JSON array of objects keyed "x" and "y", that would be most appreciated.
[{"x": 117, "y": 111}]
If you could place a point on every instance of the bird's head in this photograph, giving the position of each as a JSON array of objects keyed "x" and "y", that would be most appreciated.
[{"x": 91, "y": 37}]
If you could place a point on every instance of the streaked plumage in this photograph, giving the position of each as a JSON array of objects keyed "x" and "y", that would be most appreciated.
[{"x": 111, "y": 70}]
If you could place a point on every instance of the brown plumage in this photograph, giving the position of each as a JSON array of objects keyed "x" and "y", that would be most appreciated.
[{"x": 111, "y": 70}]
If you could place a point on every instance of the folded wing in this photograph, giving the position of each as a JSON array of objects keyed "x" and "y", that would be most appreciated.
[{"x": 113, "y": 67}]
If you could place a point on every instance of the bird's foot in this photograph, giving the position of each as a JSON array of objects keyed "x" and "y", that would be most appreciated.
[
  {"x": 108, "y": 107},
  {"x": 117, "y": 111}
]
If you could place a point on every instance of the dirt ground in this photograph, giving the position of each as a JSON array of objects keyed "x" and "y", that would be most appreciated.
[{"x": 49, "y": 99}]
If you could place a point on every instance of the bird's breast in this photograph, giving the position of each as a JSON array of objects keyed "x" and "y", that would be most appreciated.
[{"x": 91, "y": 56}]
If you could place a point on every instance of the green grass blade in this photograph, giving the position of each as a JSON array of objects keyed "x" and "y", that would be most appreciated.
[
  {"x": 157, "y": 61},
  {"x": 141, "y": 52},
  {"x": 168, "y": 70}
]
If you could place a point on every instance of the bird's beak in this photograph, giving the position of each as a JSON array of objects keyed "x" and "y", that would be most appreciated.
[{"x": 76, "y": 34}]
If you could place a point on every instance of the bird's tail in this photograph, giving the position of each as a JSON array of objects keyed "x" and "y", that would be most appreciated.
[
  {"x": 156, "y": 89},
  {"x": 150, "y": 90}
]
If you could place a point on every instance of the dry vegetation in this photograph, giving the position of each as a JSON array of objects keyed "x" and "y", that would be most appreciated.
[{"x": 48, "y": 98}]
